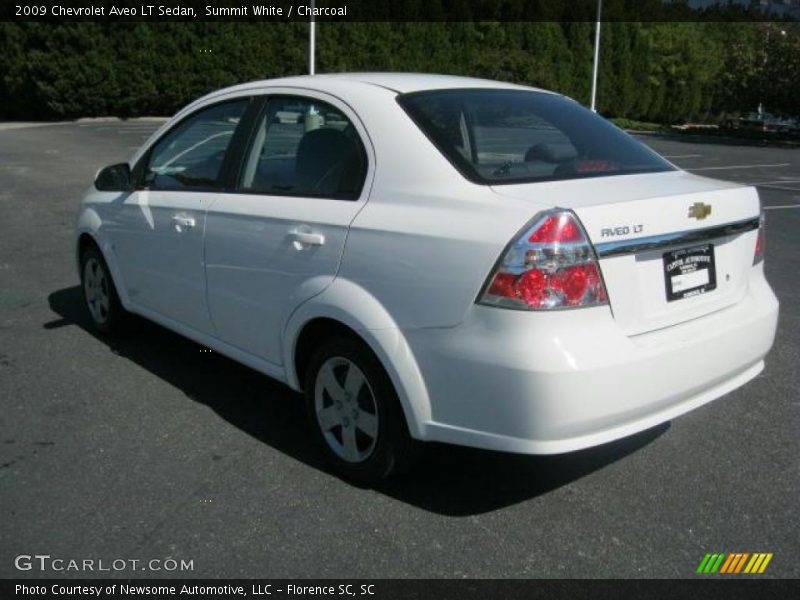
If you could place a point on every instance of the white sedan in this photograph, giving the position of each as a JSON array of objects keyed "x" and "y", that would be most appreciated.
[{"x": 432, "y": 258}]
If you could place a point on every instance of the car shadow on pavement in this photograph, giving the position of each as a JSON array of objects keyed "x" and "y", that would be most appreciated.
[{"x": 448, "y": 480}]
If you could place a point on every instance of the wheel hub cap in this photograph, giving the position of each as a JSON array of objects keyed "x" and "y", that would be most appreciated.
[
  {"x": 95, "y": 288},
  {"x": 346, "y": 410}
]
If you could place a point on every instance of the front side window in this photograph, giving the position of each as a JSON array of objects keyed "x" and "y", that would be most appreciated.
[
  {"x": 304, "y": 147},
  {"x": 191, "y": 155},
  {"x": 517, "y": 136}
]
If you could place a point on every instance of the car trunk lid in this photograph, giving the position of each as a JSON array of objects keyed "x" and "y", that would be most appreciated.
[{"x": 671, "y": 246}]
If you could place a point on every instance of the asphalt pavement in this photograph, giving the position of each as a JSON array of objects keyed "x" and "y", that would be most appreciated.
[{"x": 148, "y": 447}]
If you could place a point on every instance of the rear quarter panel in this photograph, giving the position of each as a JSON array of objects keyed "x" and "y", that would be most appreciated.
[{"x": 427, "y": 239}]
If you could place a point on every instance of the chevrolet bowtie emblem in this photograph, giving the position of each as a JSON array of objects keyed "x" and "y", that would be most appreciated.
[{"x": 699, "y": 211}]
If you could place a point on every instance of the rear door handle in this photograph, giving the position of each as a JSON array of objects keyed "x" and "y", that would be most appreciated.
[
  {"x": 182, "y": 222},
  {"x": 308, "y": 238}
]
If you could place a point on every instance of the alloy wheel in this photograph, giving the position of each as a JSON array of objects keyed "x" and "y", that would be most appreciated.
[
  {"x": 95, "y": 288},
  {"x": 346, "y": 410}
]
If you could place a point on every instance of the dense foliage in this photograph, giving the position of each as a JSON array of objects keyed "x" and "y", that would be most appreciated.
[{"x": 665, "y": 72}]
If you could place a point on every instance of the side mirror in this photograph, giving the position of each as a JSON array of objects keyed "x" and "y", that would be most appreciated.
[{"x": 114, "y": 178}]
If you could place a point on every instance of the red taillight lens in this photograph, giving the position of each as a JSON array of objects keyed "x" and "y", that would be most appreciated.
[
  {"x": 758, "y": 255},
  {"x": 557, "y": 228},
  {"x": 531, "y": 287},
  {"x": 503, "y": 285},
  {"x": 573, "y": 282},
  {"x": 552, "y": 265}
]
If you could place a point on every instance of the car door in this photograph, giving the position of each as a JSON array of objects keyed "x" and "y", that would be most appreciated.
[
  {"x": 278, "y": 240},
  {"x": 157, "y": 231}
]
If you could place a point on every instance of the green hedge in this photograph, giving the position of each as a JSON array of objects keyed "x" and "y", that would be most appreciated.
[{"x": 664, "y": 72}]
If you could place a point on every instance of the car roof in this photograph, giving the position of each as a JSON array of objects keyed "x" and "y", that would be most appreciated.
[
  {"x": 400, "y": 83},
  {"x": 404, "y": 83}
]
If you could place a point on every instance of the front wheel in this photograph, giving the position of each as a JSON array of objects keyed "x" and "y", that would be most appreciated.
[
  {"x": 355, "y": 413},
  {"x": 99, "y": 292}
]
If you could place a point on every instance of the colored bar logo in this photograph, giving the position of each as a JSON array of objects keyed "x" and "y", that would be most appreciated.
[{"x": 735, "y": 562}]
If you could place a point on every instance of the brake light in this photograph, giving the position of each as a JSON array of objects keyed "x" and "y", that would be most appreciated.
[
  {"x": 595, "y": 166},
  {"x": 557, "y": 228},
  {"x": 551, "y": 265},
  {"x": 758, "y": 255}
]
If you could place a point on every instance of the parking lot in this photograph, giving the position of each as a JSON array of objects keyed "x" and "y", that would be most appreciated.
[{"x": 149, "y": 447}]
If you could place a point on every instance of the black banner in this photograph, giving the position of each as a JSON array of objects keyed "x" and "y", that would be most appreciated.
[
  {"x": 407, "y": 589},
  {"x": 406, "y": 10}
]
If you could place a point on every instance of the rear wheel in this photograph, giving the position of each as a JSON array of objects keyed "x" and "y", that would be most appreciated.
[
  {"x": 355, "y": 413},
  {"x": 99, "y": 293}
]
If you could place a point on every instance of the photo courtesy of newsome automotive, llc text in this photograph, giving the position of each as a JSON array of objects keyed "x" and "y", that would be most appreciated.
[{"x": 432, "y": 299}]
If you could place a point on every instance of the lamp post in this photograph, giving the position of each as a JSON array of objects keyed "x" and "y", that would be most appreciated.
[
  {"x": 766, "y": 61},
  {"x": 312, "y": 39},
  {"x": 596, "y": 56}
]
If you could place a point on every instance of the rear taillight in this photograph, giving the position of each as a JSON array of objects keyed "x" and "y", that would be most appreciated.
[
  {"x": 758, "y": 256},
  {"x": 551, "y": 265}
]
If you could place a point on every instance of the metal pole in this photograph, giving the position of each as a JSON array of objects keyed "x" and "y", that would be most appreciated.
[
  {"x": 312, "y": 34},
  {"x": 596, "y": 56}
]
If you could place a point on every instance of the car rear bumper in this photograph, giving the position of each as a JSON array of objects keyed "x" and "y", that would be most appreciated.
[{"x": 546, "y": 383}]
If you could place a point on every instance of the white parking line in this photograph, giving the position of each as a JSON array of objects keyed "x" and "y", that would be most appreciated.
[
  {"x": 783, "y": 188},
  {"x": 15, "y": 125},
  {"x": 775, "y": 181},
  {"x": 737, "y": 167},
  {"x": 681, "y": 155},
  {"x": 782, "y": 206}
]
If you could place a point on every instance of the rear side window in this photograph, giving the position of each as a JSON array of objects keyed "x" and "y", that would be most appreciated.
[
  {"x": 304, "y": 147},
  {"x": 517, "y": 136},
  {"x": 191, "y": 155}
]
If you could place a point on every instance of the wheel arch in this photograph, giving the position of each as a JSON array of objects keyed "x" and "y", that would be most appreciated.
[
  {"x": 330, "y": 314},
  {"x": 88, "y": 232},
  {"x": 85, "y": 240}
]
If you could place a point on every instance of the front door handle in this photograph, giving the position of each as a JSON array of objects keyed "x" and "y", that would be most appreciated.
[
  {"x": 300, "y": 238},
  {"x": 183, "y": 222}
]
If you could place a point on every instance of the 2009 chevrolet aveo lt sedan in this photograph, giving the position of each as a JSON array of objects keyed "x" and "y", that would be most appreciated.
[{"x": 434, "y": 258}]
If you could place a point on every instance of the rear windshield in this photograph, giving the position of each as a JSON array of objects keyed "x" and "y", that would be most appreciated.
[{"x": 517, "y": 136}]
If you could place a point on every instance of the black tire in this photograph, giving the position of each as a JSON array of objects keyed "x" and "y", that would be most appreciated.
[
  {"x": 393, "y": 450},
  {"x": 100, "y": 294}
]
